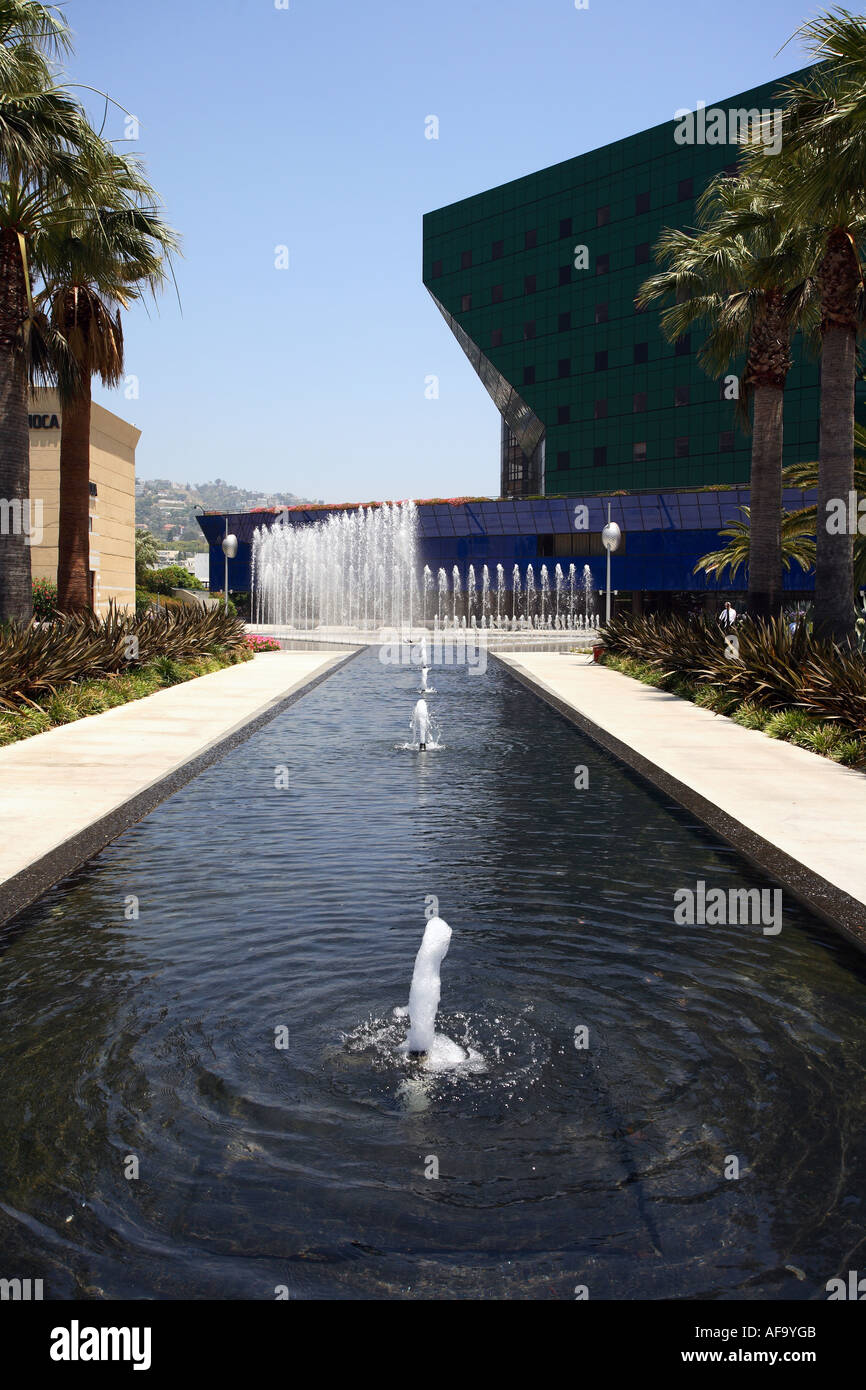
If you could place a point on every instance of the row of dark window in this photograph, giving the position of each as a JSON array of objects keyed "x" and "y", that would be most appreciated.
[
  {"x": 685, "y": 189},
  {"x": 530, "y": 282},
  {"x": 639, "y": 402},
  {"x": 563, "y": 369},
  {"x": 639, "y": 406},
  {"x": 639, "y": 451},
  {"x": 682, "y": 346},
  {"x": 640, "y": 354},
  {"x": 565, "y": 543},
  {"x": 681, "y": 393}
]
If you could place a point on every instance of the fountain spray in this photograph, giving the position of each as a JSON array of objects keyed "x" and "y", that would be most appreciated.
[
  {"x": 420, "y": 724},
  {"x": 426, "y": 987}
]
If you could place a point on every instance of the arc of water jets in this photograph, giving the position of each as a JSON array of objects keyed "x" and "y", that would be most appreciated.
[{"x": 360, "y": 569}]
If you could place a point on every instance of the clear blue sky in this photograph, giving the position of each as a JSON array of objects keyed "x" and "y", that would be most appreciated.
[{"x": 305, "y": 127}]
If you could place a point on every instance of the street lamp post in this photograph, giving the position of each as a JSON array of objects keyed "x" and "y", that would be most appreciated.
[
  {"x": 610, "y": 539},
  {"x": 230, "y": 550}
]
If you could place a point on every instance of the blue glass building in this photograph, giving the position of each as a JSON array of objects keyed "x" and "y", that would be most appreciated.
[{"x": 664, "y": 535}]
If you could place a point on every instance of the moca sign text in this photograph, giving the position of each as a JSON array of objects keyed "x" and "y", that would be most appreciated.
[{"x": 43, "y": 422}]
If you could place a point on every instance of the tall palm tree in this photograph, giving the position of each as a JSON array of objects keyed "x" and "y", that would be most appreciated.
[
  {"x": 742, "y": 277},
  {"x": 821, "y": 175},
  {"x": 95, "y": 264},
  {"x": 43, "y": 133},
  {"x": 806, "y": 475}
]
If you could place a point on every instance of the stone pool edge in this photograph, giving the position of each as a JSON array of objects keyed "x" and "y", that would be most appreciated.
[
  {"x": 826, "y": 900},
  {"x": 25, "y": 887}
]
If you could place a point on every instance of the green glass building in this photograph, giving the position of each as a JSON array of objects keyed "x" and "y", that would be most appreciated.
[{"x": 537, "y": 280}]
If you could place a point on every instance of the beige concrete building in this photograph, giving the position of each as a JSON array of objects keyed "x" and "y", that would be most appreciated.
[{"x": 112, "y": 498}]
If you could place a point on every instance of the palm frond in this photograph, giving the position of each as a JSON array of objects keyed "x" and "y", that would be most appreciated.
[{"x": 798, "y": 545}]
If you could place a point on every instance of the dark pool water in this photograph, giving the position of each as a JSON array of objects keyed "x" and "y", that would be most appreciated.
[{"x": 262, "y": 908}]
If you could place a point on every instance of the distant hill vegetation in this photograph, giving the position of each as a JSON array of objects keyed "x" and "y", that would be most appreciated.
[{"x": 167, "y": 509}]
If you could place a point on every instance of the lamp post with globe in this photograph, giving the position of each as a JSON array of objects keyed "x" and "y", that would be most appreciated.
[
  {"x": 610, "y": 538},
  {"x": 230, "y": 550}
]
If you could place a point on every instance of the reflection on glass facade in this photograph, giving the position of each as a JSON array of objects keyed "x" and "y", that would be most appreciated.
[
  {"x": 522, "y": 474},
  {"x": 522, "y": 471}
]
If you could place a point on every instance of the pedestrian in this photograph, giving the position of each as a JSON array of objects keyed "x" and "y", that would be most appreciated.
[{"x": 728, "y": 615}]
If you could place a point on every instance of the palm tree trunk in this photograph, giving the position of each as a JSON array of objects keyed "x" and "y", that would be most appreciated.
[
  {"x": 73, "y": 559},
  {"x": 839, "y": 281},
  {"x": 16, "y": 592},
  {"x": 765, "y": 503}
]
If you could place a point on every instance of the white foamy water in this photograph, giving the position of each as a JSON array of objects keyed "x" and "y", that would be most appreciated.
[
  {"x": 353, "y": 569},
  {"x": 426, "y": 983},
  {"x": 420, "y": 726},
  {"x": 437, "y": 1053}
]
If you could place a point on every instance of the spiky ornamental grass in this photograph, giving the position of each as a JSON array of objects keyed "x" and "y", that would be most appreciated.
[
  {"x": 37, "y": 659},
  {"x": 791, "y": 685},
  {"x": 80, "y": 699},
  {"x": 789, "y": 725}
]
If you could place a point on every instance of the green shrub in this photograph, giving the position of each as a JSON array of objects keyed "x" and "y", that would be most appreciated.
[
  {"x": 92, "y": 698},
  {"x": 242, "y": 602},
  {"x": 821, "y": 738},
  {"x": 850, "y": 751},
  {"x": 35, "y": 721},
  {"x": 118, "y": 691},
  {"x": 787, "y": 724},
  {"x": 751, "y": 716},
  {"x": 686, "y": 690},
  {"x": 44, "y": 600},
  {"x": 168, "y": 671},
  {"x": 715, "y": 698},
  {"x": 60, "y": 709},
  {"x": 162, "y": 581}
]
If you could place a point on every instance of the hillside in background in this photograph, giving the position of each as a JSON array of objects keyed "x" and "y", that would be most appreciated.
[{"x": 168, "y": 509}]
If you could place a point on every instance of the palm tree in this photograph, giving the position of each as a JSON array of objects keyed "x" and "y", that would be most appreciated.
[
  {"x": 797, "y": 544},
  {"x": 742, "y": 276},
  {"x": 821, "y": 174},
  {"x": 806, "y": 475},
  {"x": 43, "y": 134},
  {"x": 146, "y": 557},
  {"x": 95, "y": 264}
]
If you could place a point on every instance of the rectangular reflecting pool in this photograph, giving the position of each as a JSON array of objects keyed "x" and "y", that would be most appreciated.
[{"x": 203, "y": 1092}]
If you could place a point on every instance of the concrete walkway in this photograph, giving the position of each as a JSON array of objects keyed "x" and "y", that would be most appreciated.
[
  {"x": 796, "y": 815},
  {"x": 65, "y": 793}
]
